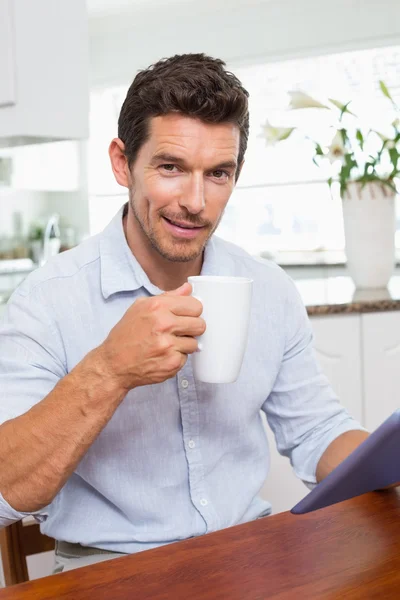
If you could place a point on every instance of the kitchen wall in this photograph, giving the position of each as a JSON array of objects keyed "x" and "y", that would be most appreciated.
[
  {"x": 38, "y": 205},
  {"x": 45, "y": 179},
  {"x": 239, "y": 31},
  {"x": 31, "y": 204}
]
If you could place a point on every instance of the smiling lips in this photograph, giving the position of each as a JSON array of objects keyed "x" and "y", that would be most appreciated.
[{"x": 182, "y": 230}]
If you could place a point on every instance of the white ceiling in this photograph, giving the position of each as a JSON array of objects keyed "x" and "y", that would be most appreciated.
[
  {"x": 100, "y": 8},
  {"x": 103, "y": 8}
]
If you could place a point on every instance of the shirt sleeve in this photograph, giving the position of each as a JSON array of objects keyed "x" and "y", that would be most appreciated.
[
  {"x": 302, "y": 410},
  {"x": 32, "y": 361},
  {"x": 8, "y": 515}
]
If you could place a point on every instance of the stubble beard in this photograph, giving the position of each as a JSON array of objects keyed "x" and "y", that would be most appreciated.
[{"x": 182, "y": 251}]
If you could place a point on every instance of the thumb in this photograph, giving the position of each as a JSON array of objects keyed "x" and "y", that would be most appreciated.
[{"x": 183, "y": 290}]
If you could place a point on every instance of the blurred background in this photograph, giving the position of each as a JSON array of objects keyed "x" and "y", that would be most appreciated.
[{"x": 282, "y": 207}]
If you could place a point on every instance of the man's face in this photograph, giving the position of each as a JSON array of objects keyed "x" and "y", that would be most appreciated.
[{"x": 181, "y": 182}]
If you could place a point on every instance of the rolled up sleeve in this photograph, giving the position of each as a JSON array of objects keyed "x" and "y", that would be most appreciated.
[
  {"x": 302, "y": 410},
  {"x": 8, "y": 515},
  {"x": 31, "y": 363}
]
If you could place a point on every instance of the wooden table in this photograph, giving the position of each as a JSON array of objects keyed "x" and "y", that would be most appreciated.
[{"x": 349, "y": 550}]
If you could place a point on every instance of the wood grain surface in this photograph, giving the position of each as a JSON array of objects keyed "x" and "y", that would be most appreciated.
[{"x": 349, "y": 550}]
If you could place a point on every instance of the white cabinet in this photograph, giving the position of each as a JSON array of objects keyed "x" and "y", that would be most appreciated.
[
  {"x": 44, "y": 81},
  {"x": 7, "y": 57},
  {"x": 47, "y": 167},
  {"x": 282, "y": 488},
  {"x": 360, "y": 355},
  {"x": 337, "y": 343},
  {"x": 381, "y": 357}
]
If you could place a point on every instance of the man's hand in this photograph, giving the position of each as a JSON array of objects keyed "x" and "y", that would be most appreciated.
[
  {"x": 40, "y": 449},
  {"x": 153, "y": 339},
  {"x": 340, "y": 449}
]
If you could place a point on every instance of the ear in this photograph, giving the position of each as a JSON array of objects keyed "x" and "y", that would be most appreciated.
[{"x": 119, "y": 162}]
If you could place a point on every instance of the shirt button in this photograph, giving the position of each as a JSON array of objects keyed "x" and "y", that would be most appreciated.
[
  {"x": 191, "y": 444},
  {"x": 203, "y": 502},
  {"x": 184, "y": 383}
]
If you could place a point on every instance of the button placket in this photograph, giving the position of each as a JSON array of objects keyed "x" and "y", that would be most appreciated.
[{"x": 190, "y": 429}]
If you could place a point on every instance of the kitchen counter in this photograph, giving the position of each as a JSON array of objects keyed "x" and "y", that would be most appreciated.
[
  {"x": 330, "y": 293},
  {"x": 338, "y": 295}
]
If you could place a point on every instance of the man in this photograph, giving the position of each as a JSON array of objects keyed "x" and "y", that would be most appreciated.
[{"x": 106, "y": 437}]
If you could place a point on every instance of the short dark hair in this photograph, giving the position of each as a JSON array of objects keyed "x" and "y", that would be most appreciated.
[{"x": 195, "y": 85}]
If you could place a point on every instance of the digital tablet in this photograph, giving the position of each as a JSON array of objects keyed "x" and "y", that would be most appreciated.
[{"x": 374, "y": 465}]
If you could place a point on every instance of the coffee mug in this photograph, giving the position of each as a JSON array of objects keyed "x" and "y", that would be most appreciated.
[{"x": 226, "y": 310}]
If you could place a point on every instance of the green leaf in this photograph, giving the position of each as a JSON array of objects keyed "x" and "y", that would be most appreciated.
[
  {"x": 330, "y": 181},
  {"x": 318, "y": 150},
  {"x": 394, "y": 157},
  {"x": 344, "y": 110},
  {"x": 336, "y": 103},
  {"x": 345, "y": 172},
  {"x": 385, "y": 91},
  {"x": 344, "y": 135},
  {"x": 360, "y": 138},
  {"x": 342, "y": 107}
]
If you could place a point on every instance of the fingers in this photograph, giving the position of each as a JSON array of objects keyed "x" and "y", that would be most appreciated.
[
  {"x": 192, "y": 326},
  {"x": 183, "y": 290},
  {"x": 186, "y": 306},
  {"x": 182, "y": 303},
  {"x": 186, "y": 344}
]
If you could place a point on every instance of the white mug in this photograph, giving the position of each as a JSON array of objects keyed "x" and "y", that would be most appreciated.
[{"x": 226, "y": 310}]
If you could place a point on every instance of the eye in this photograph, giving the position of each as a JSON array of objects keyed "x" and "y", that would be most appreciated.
[
  {"x": 169, "y": 168},
  {"x": 220, "y": 174}
]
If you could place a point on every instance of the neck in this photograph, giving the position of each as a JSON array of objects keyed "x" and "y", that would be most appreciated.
[{"x": 163, "y": 273}]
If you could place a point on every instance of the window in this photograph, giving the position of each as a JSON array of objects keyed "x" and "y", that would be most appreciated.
[{"x": 282, "y": 202}]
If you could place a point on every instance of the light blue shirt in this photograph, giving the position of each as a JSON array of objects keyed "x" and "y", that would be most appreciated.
[{"x": 180, "y": 458}]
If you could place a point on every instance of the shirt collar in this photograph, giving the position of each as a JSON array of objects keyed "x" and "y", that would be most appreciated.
[{"x": 121, "y": 272}]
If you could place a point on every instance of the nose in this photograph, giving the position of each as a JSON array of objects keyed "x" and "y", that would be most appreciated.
[{"x": 193, "y": 196}]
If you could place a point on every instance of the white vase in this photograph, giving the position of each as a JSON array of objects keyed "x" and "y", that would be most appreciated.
[{"x": 369, "y": 229}]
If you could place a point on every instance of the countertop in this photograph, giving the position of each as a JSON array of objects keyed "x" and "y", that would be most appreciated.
[{"x": 338, "y": 295}]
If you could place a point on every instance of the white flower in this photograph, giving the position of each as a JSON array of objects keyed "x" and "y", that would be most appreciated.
[
  {"x": 272, "y": 135},
  {"x": 336, "y": 150},
  {"x": 389, "y": 144},
  {"x": 396, "y": 123},
  {"x": 302, "y": 100},
  {"x": 341, "y": 106}
]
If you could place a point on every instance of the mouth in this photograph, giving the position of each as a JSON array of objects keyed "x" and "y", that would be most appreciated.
[{"x": 181, "y": 229}]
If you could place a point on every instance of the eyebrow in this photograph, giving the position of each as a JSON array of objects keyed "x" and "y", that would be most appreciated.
[{"x": 170, "y": 158}]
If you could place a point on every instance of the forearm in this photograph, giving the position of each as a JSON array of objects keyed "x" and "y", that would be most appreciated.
[
  {"x": 338, "y": 450},
  {"x": 40, "y": 449}
]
